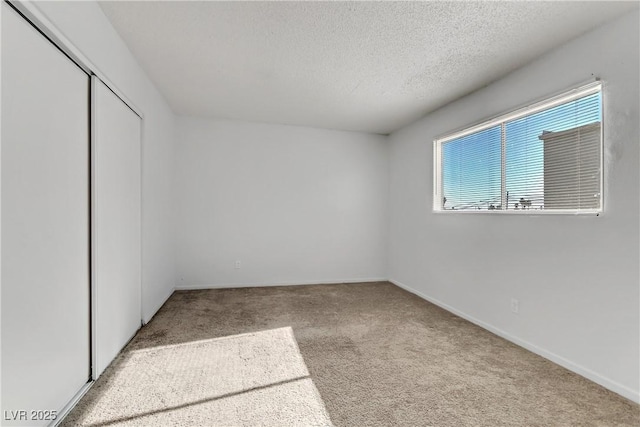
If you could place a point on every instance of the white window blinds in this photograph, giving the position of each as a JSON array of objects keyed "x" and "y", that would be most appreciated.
[{"x": 544, "y": 158}]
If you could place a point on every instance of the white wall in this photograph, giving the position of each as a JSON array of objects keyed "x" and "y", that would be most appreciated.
[
  {"x": 293, "y": 204},
  {"x": 576, "y": 277},
  {"x": 85, "y": 25}
]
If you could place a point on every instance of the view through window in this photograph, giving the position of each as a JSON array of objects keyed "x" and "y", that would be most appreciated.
[{"x": 545, "y": 158}]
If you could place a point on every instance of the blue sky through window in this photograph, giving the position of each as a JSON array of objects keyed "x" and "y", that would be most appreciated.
[
  {"x": 471, "y": 170},
  {"x": 471, "y": 165}
]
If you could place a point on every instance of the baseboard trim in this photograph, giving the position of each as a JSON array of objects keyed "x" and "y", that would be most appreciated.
[
  {"x": 620, "y": 389},
  {"x": 282, "y": 283},
  {"x": 145, "y": 321},
  {"x": 72, "y": 403}
]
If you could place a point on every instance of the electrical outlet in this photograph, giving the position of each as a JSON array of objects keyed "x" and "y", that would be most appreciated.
[
  {"x": 515, "y": 305},
  {"x": 238, "y": 264}
]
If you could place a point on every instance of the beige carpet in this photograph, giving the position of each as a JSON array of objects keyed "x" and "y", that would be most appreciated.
[
  {"x": 380, "y": 356},
  {"x": 242, "y": 380}
]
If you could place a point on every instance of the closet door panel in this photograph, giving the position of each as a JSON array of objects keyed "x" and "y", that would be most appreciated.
[
  {"x": 116, "y": 210},
  {"x": 45, "y": 222}
]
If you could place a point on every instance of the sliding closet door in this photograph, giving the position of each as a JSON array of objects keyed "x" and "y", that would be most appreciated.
[
  {"x": 116, "y": 221},
  {"x": 45, "y": 224}
]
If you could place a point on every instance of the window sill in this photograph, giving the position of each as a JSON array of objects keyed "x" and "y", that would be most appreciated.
[{"x": 526, "y": 212}]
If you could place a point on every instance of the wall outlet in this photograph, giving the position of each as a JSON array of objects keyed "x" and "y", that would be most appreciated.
[
  {"x": 515, "y": 305},
  {"x": 238, "y": 264}
]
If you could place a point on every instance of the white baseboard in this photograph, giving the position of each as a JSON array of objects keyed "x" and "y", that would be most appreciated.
[
  {"x": 580, "y": 370},
  {"x": 72, "y": 403},
  {"x": 145, "y": 321},
  {"x": 283, "y": 283}
]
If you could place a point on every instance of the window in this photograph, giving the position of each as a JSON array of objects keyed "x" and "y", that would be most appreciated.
[{"x": 544, "y": 158}]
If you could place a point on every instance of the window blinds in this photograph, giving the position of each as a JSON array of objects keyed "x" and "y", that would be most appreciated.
[{"x": 547, "y": 157}]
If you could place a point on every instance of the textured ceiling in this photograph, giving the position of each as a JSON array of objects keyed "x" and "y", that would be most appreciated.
[{"x": 363, "y": 66}]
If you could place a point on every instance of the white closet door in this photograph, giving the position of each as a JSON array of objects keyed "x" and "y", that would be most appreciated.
[
  {"x": 116, "y": 223},
  {"x": 45, "y": 223}
]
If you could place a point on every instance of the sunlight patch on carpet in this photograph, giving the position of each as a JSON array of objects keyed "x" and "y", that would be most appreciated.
[{"x": 242, "y": 380}]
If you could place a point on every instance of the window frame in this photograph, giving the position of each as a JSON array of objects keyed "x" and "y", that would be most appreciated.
[{"x": 517, "y": 113}]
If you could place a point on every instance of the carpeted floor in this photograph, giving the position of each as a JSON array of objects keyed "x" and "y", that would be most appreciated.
[
  {"x": 380, "y": 356},
  {"x": 258, "y": 378}
]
